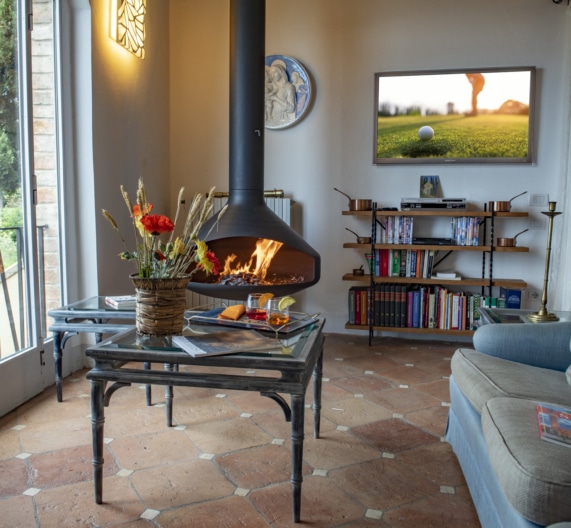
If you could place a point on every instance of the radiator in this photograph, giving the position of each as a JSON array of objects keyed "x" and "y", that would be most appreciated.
[{"x": 280, "y": 206}]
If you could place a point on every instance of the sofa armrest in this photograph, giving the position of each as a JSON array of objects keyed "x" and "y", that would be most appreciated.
[{"x": 538, "y": 344}]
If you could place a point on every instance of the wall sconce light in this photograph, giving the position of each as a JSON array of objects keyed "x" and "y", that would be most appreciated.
[{"x": 128, "y": 25}]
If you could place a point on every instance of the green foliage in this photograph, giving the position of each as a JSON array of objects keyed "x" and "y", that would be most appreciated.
[
  {"x": 9, "y": 178},
  {"x": 8, "y": 249},
  {"x": 455, "y": 136},
  {"x": 12, "y": 212},
  {"x": 9, "y": 174},
  {"x": 11, "y": 217}
]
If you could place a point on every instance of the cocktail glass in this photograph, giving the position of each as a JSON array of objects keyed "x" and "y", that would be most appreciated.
[
  {"x": 275, "y": 315},
  {"x": 253, "y": 308}
]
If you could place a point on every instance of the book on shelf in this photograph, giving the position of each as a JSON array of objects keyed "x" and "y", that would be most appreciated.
[
  {"x": 554, "y": 423},
  {"x": 413, "y": 306},
  {"x": 121, "y": 302},
  {"x": 448, "y": 275},
  {"x": 228, "y": 342}
]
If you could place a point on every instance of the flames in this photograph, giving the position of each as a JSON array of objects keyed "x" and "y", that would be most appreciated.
[{"x": 259, "y": 262}]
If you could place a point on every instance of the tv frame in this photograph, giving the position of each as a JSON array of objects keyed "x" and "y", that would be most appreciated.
[{"x": 431, "y": 151}]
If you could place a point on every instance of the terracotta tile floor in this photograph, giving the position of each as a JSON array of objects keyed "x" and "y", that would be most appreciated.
[{"x": 381, "y": 459}]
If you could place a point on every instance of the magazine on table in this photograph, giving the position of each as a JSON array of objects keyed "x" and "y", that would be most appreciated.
[
  {"x": 554, "y": 423},
  {"x": 220, "y": 343}
]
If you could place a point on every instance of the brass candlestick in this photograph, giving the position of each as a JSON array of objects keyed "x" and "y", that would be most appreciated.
[{"x": 543, "y": 316}]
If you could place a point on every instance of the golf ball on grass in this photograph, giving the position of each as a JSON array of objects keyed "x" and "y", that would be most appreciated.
[{"x": 425, "y": 133}]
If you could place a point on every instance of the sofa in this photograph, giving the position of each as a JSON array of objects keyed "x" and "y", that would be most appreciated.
[{"x": 515, "y": 478}]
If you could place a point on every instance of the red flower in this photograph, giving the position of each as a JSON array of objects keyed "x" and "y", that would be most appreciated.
[
  {"x": 215, "y": 262},
  {"x": 157, "y": 224},
  {"x": 159, "y": 255},
  {"x": 209, "y": 263}
]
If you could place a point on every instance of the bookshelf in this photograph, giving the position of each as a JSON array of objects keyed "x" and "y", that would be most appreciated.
[{"x": 423, "y": 281}]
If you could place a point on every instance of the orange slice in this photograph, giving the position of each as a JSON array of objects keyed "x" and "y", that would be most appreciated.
[{"x": 264, "y": 298}]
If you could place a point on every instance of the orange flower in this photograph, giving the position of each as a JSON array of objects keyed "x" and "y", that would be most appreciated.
[
  {"x": 137, "y": 210},
  {"x": 157, "y": 224}
]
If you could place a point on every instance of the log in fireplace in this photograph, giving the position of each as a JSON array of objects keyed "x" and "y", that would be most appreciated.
[{"x": 248, "y": 225}]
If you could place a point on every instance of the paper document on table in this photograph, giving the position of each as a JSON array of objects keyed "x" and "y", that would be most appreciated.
[{"x": 219, "y": 343}]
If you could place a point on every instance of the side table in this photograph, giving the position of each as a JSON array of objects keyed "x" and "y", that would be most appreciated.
[
  {"x": 92, "y": 315},
  {"x": 512, "y": 316},
  {"x": 297, "y": 365}
]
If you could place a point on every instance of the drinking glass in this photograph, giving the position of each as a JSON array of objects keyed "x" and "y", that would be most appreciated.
[
  {"x": 253, "y": 308},
  {"x": 275, "y": 316}
]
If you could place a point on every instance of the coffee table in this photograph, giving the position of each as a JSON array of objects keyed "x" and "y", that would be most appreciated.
[
  {"x": 297, "y": 364},
  {"x": 91, "y": 315}
]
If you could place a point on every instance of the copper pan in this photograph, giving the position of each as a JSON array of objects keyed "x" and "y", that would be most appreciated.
[
  {"x": 503, "y": 207},
  {"x": 357, "y": 205},
  {"x": 509, "y": 242},
  {"x": 360, "y": 239}
]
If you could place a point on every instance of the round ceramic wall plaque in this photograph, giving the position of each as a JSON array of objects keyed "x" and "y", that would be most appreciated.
[{"x": 288, "y": 91}]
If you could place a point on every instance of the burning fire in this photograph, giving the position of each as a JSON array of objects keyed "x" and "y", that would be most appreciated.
[{"x": 259, "y": 262}]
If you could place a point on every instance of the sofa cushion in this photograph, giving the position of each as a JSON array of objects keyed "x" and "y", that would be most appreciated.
[
  {"x": 482, "y": 377},
  {"x": 535, "y": 475},
  {"x": 539, "y": 345}
]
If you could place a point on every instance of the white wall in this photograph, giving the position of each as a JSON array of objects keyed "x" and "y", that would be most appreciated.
[
  {"x": 130, "y": 132},
  {"x": 342, "y": 44}
]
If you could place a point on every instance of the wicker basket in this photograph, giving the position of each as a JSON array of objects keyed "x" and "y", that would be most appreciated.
[{"x": 160, "y": 305}]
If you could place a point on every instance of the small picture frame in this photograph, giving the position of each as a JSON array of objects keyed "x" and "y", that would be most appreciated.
[{"x": 429, "y": 186}]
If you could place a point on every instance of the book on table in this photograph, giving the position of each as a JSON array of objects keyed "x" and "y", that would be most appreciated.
[
  {"x": 554, "y": 423},
  {"x": 229, "y": 342},
  {"x": 121, "y": 302}
]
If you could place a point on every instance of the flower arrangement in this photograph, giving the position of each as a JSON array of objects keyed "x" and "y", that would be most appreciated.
[{"x": 177, "y": 256}]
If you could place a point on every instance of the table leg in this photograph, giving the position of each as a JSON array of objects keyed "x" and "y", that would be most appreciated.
[
  {"x": 147, "y": 366},
  {"x": 58, "y": 364},
  {"x": 317, "y": 381},
  {"x": 169, "y": 396},
  {"x": 297, "y": 417},
  {"x": 97, "y": 421}
]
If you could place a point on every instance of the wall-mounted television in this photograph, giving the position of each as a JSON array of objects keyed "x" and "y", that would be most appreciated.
[{"x": 480, "y": 115}]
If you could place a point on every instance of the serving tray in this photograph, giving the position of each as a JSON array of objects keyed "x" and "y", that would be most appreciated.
[{"x": 297, "y": 320}]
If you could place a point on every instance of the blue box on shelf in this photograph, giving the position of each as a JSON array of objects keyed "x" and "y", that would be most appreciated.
[{"x": 512, "y": 297}]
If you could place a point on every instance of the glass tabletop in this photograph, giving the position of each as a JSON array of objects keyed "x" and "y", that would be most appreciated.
[
  {"x": 291, "y": 346},
  {"x": 92, "y": 304}
]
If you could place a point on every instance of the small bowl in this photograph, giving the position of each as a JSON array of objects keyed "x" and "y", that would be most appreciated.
[{"x": 358, "y": 271}]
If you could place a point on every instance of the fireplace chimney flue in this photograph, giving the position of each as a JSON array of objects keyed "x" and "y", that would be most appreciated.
[{"x": 247, "y": 218}]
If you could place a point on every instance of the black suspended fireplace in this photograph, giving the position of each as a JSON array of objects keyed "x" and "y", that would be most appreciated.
[{"x": 247, "y": 221}]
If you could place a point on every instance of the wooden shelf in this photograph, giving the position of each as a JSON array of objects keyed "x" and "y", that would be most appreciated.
[
  {"x": 399, "y": 329},
  {"x": 414, "y": 247},
  {"x": 439, "y": 212},
  {"x": 514, "y": 284},
  {"x": 357, "y": 278}
]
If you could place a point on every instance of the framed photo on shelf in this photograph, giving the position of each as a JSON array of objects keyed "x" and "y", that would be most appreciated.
[{"x": 429, "y": 186}]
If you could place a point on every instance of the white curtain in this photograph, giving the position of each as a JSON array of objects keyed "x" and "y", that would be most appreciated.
[{"x": 560, "y": 273}]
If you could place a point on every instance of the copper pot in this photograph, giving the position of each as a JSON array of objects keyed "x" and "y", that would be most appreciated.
[
  {"x": 357, "y": 205},
  {"x": 360, "y": 239},
  {"x": 503, "y": 207},
  {"x": 509, "y": 242}
]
